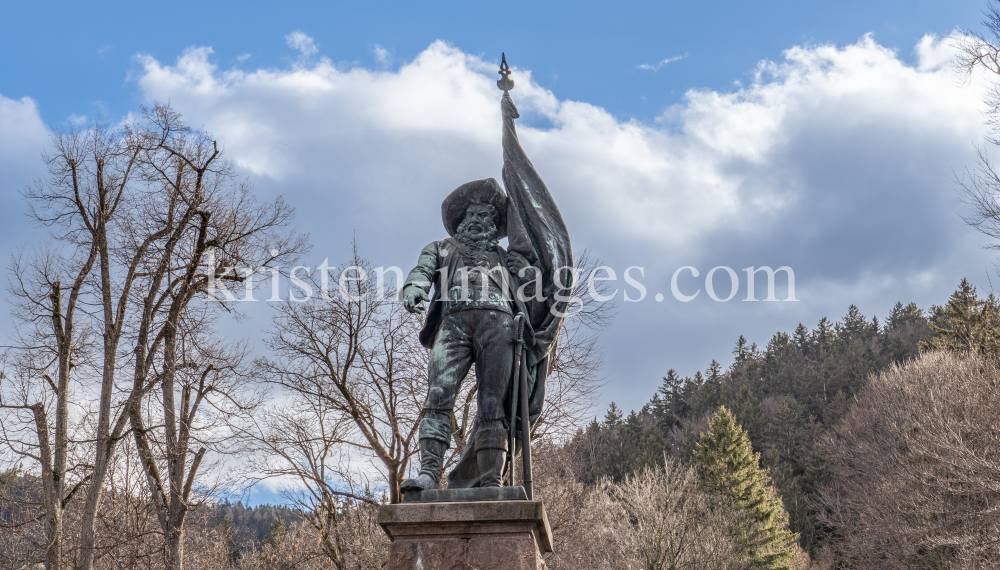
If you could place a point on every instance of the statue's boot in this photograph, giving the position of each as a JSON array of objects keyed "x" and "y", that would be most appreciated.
[
  {"x": 491, "y": 450},
  {"x": 431, "y": 462},
  {"x": 490, "y": 466}
]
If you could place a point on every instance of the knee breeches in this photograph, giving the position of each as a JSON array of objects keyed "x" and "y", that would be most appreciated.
[{"x": 482, "y": 337}]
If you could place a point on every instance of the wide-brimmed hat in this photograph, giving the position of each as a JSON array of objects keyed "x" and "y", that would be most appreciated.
[{"x": 485, "y": 191}]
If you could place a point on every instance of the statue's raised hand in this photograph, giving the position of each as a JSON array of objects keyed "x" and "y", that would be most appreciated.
[
  {"x": 413, "y": 296},
  {"x": 509, "y": 110}
]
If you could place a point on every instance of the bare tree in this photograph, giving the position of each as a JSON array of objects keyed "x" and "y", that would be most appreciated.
[
  {"x": 656, "y": 518},
  {"x": 78, "y": 201},
  {"x": 301, "y": 442},
  {"x": 295, "y": 548},
  {"x": 569, "y": 505},
  {"x": 127, "y": 532},
  {"x": 975, "y": 51},
  {"x": 144, "y": 219},
  {"x": 94, "y": 190},
  {"x": 193, "y": 209},
  {"x": 981, "y": 185},
  {"x": 661, "y": 521},
  {"x": 22, "y": 534},
  {"x": 915, "y": 465},
  {"x": 352, "y": 354},
  {"x": 27, "y": 431}
]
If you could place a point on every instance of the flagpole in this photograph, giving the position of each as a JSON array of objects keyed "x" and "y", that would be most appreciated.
[{"x": 519, "y": 375}]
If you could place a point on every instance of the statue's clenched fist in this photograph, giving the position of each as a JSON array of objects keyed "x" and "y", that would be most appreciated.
[
  {"x": 413, "y": 296},
  {"x": 508, "y": 107}
]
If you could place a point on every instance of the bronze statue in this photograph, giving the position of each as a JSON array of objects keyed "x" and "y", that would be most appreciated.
[{"x": 498, "y": 309}]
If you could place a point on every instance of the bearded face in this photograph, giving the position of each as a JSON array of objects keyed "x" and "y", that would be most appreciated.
[{"x": 478, "y": 230}]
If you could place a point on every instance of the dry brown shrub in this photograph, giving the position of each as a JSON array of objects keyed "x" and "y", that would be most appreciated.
[{"x": 916, "y": 468}]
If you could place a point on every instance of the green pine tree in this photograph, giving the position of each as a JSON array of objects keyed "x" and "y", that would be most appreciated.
[
  {"x": 613, "y": 417},
  {"x": 5, "y": 478},
  {"x": 741, "y": 352},
  {"x": 230, "y": 538},
  {"x": 672, "y": 407},
  {"x": 802, "y": 339},
  {"x": 966, "y": 322},
  {"x": 727, "y": 465},
  {"x": 277, "y": 530}
]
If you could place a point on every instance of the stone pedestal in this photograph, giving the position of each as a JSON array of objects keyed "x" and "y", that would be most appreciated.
[{"x": 480, "y": 535}]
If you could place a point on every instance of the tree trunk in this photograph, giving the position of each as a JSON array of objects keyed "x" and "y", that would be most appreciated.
[
  {"x": 50, "y": 488},
  {"x": 53, "y": 554},
  {"x": 88, "y": 535},
  {"x": 394, "y": 485},
  {"x": 175, "y": 548},
  {"x": 105, "y": 444}
]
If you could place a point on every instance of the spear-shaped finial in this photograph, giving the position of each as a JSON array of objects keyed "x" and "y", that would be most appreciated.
[{"x": 505, "y": 82}]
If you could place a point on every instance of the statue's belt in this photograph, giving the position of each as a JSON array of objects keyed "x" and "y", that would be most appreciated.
[{"x": 489, "y": 304}]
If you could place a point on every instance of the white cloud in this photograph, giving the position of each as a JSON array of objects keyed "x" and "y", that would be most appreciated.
[
  {"x": 382, "y": 55},
  {"x": 302, "y": 42},
  {"x": 656, "y": 67},
  {"x": 77, "y": 120},
  {"x": 837, "y": 161},
  {"x": 23, "y": 137},
  {"x": 243, "y": 57}
]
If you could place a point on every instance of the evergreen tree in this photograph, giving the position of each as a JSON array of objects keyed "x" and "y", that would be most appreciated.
[
  {"x": 670, "y": 405},
  {"x": 672, "y": 385},
  {"x": 727, "y": 465},
  {"x": 714, "y": 371},
  {"x": 5, "y": 478},
  {"x": 802, "y": 338},
  {"x": 620, "y": 446},
  {"x": 613, "y": 417},
  {"x": 251, "y": 526},
  {"x": 275, "y": 532},
  {"x": 966, "y": 322},
  {"x": 854, "y": 325},
  {"x": 903, "y": 331},
  {"x": 903, "y": 316},
  {"x": 230, "y": 538},
  {"x": 742, "y": 352},
  {"x": 823, "y": 335}
]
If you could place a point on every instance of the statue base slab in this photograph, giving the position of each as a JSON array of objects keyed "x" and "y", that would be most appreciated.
[
  {"x": 486, "y": 535},
  {"x": 465, "y": 495}
]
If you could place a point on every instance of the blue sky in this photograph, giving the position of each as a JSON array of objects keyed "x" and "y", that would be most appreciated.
[
  {"x": 76, "y": 61},
  {"x": 822, "y": 136},
  {"x": 75, "y": 58}
]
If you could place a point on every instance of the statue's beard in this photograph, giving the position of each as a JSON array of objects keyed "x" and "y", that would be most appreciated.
[{"x": 485, "y": 240}]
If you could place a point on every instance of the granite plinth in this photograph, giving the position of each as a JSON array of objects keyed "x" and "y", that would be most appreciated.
[
  {"x": 484, "y": 535},
  {"x": 463, "y": 495}
]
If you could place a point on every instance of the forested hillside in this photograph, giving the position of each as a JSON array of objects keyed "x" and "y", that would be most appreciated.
[
  {"x": 786, "y": 396},
  {"x": 253, "y": 524}
]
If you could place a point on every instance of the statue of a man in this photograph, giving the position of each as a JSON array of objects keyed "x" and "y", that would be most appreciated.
[{"x": 478, "y": 292}]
